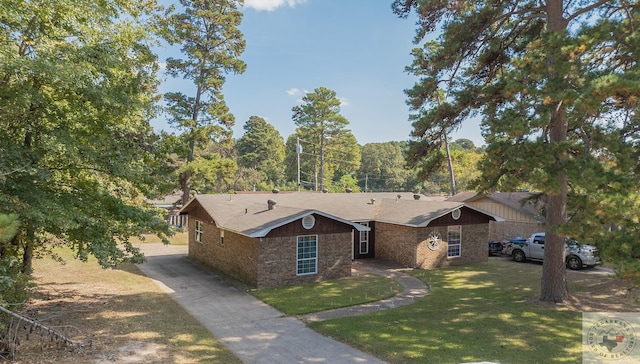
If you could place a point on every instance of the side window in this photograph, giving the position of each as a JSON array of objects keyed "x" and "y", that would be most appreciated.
[
  {"x": 454, "y": 241},
  {"x": 538, "y": 240},
  {"x": 198, "y": 231},
  {"x": 307, "y": 258}
]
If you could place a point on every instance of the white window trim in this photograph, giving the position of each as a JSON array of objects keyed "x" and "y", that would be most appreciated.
[
  {"x": 458, "y": 230},
  {"x": 315, "y": 259},
  {"x": 198, "y": 231},
  {"x": 221, "y": 237},
  {"x": 364, "y": 238}
]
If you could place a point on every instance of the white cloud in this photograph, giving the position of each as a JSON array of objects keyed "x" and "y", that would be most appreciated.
[
  {"x": 294, "y": 91},
  {"x": 270, "y": 5},
  {"x": 298, "y": 92}
]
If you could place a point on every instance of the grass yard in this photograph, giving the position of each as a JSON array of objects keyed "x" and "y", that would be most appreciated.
[
  {"x": 322, "y": 296},
  {"x": 180, "y": 237},
  {"x": 486, "y": 312},
  {"x": 124, "y": 314}
]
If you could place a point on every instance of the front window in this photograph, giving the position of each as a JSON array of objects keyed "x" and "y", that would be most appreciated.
[
  {"x": 364, "y": 240},
  {"x": 198, "y": 235},
  {"x": 307, "y": 260},
  {"x": 454, "y": 249}
]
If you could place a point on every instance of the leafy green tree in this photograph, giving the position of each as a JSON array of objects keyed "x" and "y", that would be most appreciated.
[
  {"x": 77, "y": 90},
  {"x": 211, "y": 45},
  {"x": 9, "y": 225},
  {"x": 262, "y": 149},
  {"x": 464, "y": 144},
  {"x": 326, "y": 142},
  {"x": 347, "y": 182},
  {"x": 14, "y": 283},
  {"x": 383, "y": 167},
  {"x": 557, "y": 86}
]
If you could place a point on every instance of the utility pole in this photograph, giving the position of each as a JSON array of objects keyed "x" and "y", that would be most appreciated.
[
  {"x": 366, "y": 182},
  {"x": 298, "y": 152},
  {"x": 322, "y": 161}
]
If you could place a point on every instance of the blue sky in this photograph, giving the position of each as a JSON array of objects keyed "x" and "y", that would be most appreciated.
[{"x": 357, "y": 48}]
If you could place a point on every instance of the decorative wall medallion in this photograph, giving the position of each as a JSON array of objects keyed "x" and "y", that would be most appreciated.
[{"x": 433, "y": 241}]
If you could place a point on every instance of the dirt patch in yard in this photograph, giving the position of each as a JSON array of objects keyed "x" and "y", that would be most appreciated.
[
  {"x": 118, "y": 315},
  {"x": 597, "y": 290}
]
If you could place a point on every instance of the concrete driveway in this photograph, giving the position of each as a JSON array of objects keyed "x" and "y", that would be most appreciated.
[{"x": 254, "y": 331}]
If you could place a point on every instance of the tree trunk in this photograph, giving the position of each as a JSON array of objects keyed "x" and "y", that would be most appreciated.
[
  {"x": 554, "y": 272},
  {"x": 554, "y": 282},
  {"x": 186, "y": 175},
  {"x": 452, "y": 178},
  {"x": 186, "y": 181},
  {"x": 27, "y": 252}
]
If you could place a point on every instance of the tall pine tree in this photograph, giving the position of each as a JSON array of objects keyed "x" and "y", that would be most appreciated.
[
  {"x": 211, "y": 44},
  {"x": 327, "y": 144},
  {"x": 557, "y": 86}
]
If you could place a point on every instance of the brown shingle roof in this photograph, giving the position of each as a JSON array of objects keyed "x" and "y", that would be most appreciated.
[
  {"x": 249, "y": 213},
  {"x": 248, "y": 217}
]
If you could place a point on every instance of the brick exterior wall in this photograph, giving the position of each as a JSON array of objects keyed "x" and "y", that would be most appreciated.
[
  {"x": 277, "y": 263},
  {"x": 396, "y": 243},
  {"x": 503, "y": 230},
  {"x": 237, "y": 257},
  {"x": 408, "y": 246},
  {"x": 270, "y": 261}
]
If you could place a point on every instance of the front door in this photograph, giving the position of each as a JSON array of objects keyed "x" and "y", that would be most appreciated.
[
  {"x": 363, "y": 241},
  {"x": 363, "y": 246}
]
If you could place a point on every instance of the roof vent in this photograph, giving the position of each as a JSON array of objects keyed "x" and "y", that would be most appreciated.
[
  {"x": 348, "y": 190},
  {"x": 398, "y": 197},
  {"x": 416, "y": 196},
  {"x": 373, "y": 200},
  {"x": 308, "y": 222},
  {"x": 275, "y": 190},
  {"x": 271, "y": 204},
  {"x": 325, "y": 190}
]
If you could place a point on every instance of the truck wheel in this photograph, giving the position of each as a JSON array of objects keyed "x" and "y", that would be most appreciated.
[
  {"x": 574, "y": 263},
  {"x": 518, "y": 256}
]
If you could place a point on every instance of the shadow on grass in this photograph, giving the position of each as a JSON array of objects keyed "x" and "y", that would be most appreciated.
[
  {"x": 328, "y": 295},
  {"x": 485, "y": 312},
  {"x": 121, "y": 313}
]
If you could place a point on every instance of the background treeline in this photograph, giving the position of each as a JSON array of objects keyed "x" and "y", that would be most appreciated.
[{"x": 263, "y": 161}]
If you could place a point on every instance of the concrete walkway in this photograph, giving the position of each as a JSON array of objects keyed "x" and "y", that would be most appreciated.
[
  {"x": 413, "y": 289},
  {"x": 253, "y": 330}
]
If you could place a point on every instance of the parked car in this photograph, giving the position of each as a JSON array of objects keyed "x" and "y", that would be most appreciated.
[{"x": 577, "y": 255}]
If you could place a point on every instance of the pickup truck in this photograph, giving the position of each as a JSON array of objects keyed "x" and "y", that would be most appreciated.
[{"x": 577, "y": 255}]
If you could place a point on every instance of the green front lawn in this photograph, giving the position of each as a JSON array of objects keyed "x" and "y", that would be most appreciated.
[
  {"x": 322, "y": 296},
  {"x": 485, "y": 312}
]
